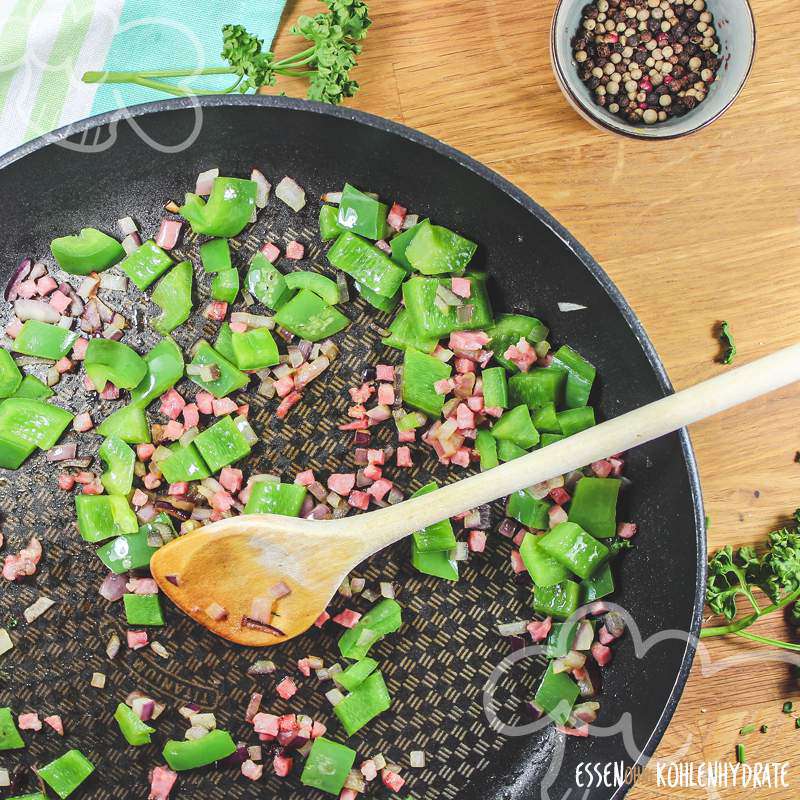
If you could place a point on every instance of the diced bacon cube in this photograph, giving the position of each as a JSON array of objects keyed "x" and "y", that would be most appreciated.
[
  {"x": 252, "y": 770},
  {"x": 84, "y": 477},
  {"x": 464, "y": 365},
  {"x": 322, "y": 619},
  {"x": 266, "y": 724},
  {"x": 144, "y": 452},
  {"x": 601, "y": 654},
  {"x": 270, "y": 252},
  {"x": 386, "y": 394},
  {"x": 560, "y": 495},
  {"x": 295, "y": 250},
  {"x": 82, "y": 422},
  {"x": 391, "y": 780},
  {"x": 376, "y": 456},
  {"x": 540, "y": 629},
  {"x": 407, "y": 436},
  {"x": 516, "y": 562},
  {"x": 617, "y": 465},
  {"x": 342, "y": 483},
  {"x": 602, "y": 469},
  {"x": 317, "y": 730},
  {"x": 29, "y": 722},
  {"x": 372, "y": 472},
  {"x": 284, "y": 386},
  {"x": 46, "y": 284},
  {"x": 556, "y": 515},
  {"x": 461, "y": 457},
  {"x": 205, "y": 402},
  {"x": 60, "y": 302},
  {"x": 253, "y": 706},
  {"x": 287, "y": 404},
  {"x": 384, "y": 372},
  {"x": 63, "y": 365},
  {"x": 66, "y": 481},
  {"x": 172, "y": 431},
  {"x": 369, "y": 770},
  {"x": 347, "y": 618},
  {"x": 282, "y": 765},
  {"x": 380, "y": 489},
  {"x": 216, "y": 311},
  {"x": 110, "y": 392},
  {"x": 287, "y": 688},
  {"x": 137, "y": 639},
  {"x": 396, "y": 216},
  {"x": 178, "y": 489},
  {"x": 626, "y": 530},
  {"x": 476, "y": 541},
  {"x": 465, "y": 418},
  {"x": 461, "y": 287},
  {"x": 168, "y": 233},
  {"x": 305, "y": 478},
  {"x": 54, "y": 721},
  {"x": 140, "y": 499},
  {"x": 172, "y": 403},
  {"x": 161, "y": 782},
  {"x": 304, "y": 667},
  {"x": 232, "y": 479},
  {"x": 14, "y": 327},
  {"x": 79, "y": 348},
  {"x": 223, "y": 406},
  {"x": 519, "y": 536},
  {"x": 151, "y": 481},
  {"x": 403, "y": 456}
]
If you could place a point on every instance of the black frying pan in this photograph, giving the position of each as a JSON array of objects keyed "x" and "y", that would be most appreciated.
[{"x": 437, "y": 669}]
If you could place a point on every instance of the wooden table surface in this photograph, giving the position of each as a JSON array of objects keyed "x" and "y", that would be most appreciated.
[{"x": 692, "y": 231}]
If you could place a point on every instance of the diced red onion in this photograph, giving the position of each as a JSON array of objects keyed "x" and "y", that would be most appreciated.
[
  {"x": 62, "y": 452},
  {"x": 38, "y": 270},
  {"x": 264, "y": 667},
  {"x": 18, "y": 276},
  {"x": 344, "y": 289},
  {"x": 113, "y": 587}
]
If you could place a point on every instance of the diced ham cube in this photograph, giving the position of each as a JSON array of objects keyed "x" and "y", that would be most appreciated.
[
  {"x": 266, "y": 724},
  {"x": 317, "y": 730},
  {"x": 465, "y": 418},
  {"x": 322, "y": 619},
  {"x": 46, "y": 284},
  {"x": 601, "y": 654},
  {"x": 139, "y": 499},
  {"x": 391, "y": 780},
  {"x": 461, "y": 457},
  {"x": 63, "y": 365},
  {"x": 347, "y": 618},
  {"x": 14, "y": 327},
  {"x": 82, "y": 422},
  {"x": 231, "y": 479},
  {"x": 464, "y": 365},
  {"x": 191, "y": 416},
  {"x": 362, "y": 393},
  {"x": 144, "y": 452},
  {"x": 380, "y": 489},
  {"x": 342, "y": 483},
  {"x": 161, "y": 782},
  {"x": 282, "y": 765},
  {"x": 407, "y": 436},
  {"x": 270, "y": 252},
  {"x": 79, "y": 349},
  {"x": 304, "y": 667},
  {"x": 386, "y": 394},
  {"x": 444, "y": 386},
  {"x": 29, "y": 722},
  {"x": 238, "y": 327},
  {"x": 376, "y": 456},
  {"x": 461, "y": 287},
  {"x": 287, "y": 404},
  {"x": 284, "y": 386},
  {"x": 110, "y": 392},
  {"x": 468, "y": 340},
  {"x": 60, "y": 301},
  {"x": 602, "y": 469},
  {"x": 66, "y": 481},
  {"x": 137, "y": 639},
  {"x": 252, "y": 770},
  {"x": 222, "y": 406},
  {"x": 205, "y": 402},
  {"x": 605, "y": 636},
  {"x": 54, "y": 721},
  {"x": 172, "y": 403},
  {"x": 178, "y": 489},
  {"x": 216, "y": 311},
  {"x": 540, "y": 629},
  {"x": 396, "y": 216},
  {"x": 626, "y": 530},
  {"x": 287, "y": 688},
  {"x": 348, "y": 794},
  {"x": 556, "y": 515},
  {"x": 559, "y": 495},
  {"x": 222, "y": 501},
  {"x": 494, "y": 411},
  {"x": 172, "y": 431},
  {"x": 168, "y": 233},
  {"x": 27, "y": 289},
  {"x": 516, "y": 562},
  {"x": 151, "y": 481},
  {"x": 305, "y": 478},
  {"x": 369, "y": 770},
  {"x": 372, "y": 472},
  {"x": 295, "y": 250},
  {"x": 476, "y": 541},
  {"x": 403, "y": 456},
  {"x": 358, "y": 499},
  {"x": 384, "y": 372}
]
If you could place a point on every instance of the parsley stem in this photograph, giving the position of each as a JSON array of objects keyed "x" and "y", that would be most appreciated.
[
  {"x": 745, "y": 622},
  {"x": 310, "y": 51},
  {"x": 764, "y": 640},
  {"x": 132, "y": 77}
]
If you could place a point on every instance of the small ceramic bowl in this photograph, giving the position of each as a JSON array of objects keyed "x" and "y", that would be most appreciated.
[{"x": 735, "y": 26}]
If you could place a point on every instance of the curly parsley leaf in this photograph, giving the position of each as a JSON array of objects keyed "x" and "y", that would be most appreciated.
[{"x": 726, "y": 337}]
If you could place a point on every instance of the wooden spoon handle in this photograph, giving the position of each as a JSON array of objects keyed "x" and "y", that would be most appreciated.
[{"x": 675, "y": 411}]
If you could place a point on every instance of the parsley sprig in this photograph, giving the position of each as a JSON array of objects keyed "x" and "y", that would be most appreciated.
[
  {"x": 334, "y": 46},
  {"x": 734, "y": 574}
]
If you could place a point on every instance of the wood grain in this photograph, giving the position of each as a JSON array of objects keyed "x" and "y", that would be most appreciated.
[{"x": 692, "y": 231}]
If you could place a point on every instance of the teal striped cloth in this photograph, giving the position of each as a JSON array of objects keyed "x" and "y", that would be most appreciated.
[{"x": 46, "y": 45}]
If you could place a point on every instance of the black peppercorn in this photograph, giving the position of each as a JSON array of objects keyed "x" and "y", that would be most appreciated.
[
  {"x": 593, "y": 82},
  {"x": 604, "y": 51}
]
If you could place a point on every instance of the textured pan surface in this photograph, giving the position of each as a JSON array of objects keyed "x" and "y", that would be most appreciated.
[{"x": 437, "y": 668}]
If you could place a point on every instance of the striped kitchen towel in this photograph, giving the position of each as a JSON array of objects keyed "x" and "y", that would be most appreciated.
[{"x": 47, "y": 45}]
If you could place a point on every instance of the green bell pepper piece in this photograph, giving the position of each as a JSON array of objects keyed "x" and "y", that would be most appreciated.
[
  {"x": 215, "y": 255},
  {"x": 143, "y": 609},
  {"x": 32, "y": 387},
  {"x": 222, "y": 444},
  {"x": 228, "y": 210},
  {"x": 90, "y": 251},
  {"x": 266, "y": 283},
  {"x": 223, "y": 344},
  {"x": 495, "y": 388},
  {"x": 594, "y": 505},
  {"x": 102, "y": 516},
  {"x": 537, "y": 387},
  {"x": 146, "y": 263},
  {"x": 173, "y": 296},
  {"x": 131, "y": 727},
  {"x": 42, "y": 340},
  {"x": 107, "y": 360},
  {"x": 420, "y": 373},
  {"x": 327, "y": 766},
  {"x": 367, "y": 264},
  {"x": 120, "y": 460},
  {"x": 34, "y": 796},
  {"x": 310, "y": 317},
  {"x": 164, "y": 369},
  {"x": 508, "y": 451},
  {"x": 329, "y": 223},
  {"x": 271, "y": 497},
  {"x": 556, "y": 695},
  {"x": 542, "y": 567},
  {"x": 545, "y": 419},
  {"x": 580, "y": 376},
  {"x": 438, "y": 563},
  {"x": 183, "y": 755},
  {"x": 230, "y": 378},
  {"x": 362, "y": 214},
  {"x": 436, "y": 537},
  {"x": 9, "y": 735},
  {"x": 400, "y": 243},
  {"x": 128, "y": 423},
  {"x": 575, "y": 420},
  {"x": 486, "y": 445},
  {"x": 410, "y": 421},
  {"x": 403, "y": 333},
  {"x": 10, "y": 376},
  {"x": 32, "y": 422},
  {"x": 351, "y": 678},
  {"x": 577, "y": 550},
  {"x": 255, "y": 349},
  {"x": 561, "y": 638},
  {"x": 384, "y": 617},
  {"x": 363, "y": 704},
  {"x": 384, "y": 304},
  {"x": 66, "y": 773},
  {"x": 550, "y": 438},
  {"x": 225, "y": 285},
  {"x": 525, "y": 508},
  {"x": 14, "y": 451},
  {"x": 516, "y": 426},
  {"x": 435, "y": 250},
  {"x": 185, "y": 464},
  {"x": 601, "y": 584},
  {"x": 419, "y": 296},
  {"x": 508, "y": 329},
  {"x": 559, "y": 600},
  {"x": 132, "y": 551}
]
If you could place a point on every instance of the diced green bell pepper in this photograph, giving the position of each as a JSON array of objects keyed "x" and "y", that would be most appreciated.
[
  {"x": 508, "y": 329},
  {"x": 420, "y": 373},
  {"x": 556, "y": 695},
  {"x": 385, "y": 617},
  {"x": 385, "y": 304},
  {"x": 438, "y": 563},
  {"x": 32, "y": 387},
  {"x": 135, "y": 731},
  {"x": 328, "y": 765},
  {"x": 43, "y": 340},
  {"x": 173, "y": 296},
  {"x": 225, "y": 285},
  {"x": 542, "y": 567},
  {"x": 146, "y": 263},
  {"x": 14, "y": 451},
  {"x": 222, "y": 444},
  {"x": 362, "y": 214},
  {"x": 516, "y": 426},
  {"x": 164, "y": 369},
  {"x": 32, "y": 422},
  {"x": 508, "y": 451},
  {"x": 436, "y": 537},
  {"x": 419, "y": 296},
  {"x": 223, "y": 344},
  {"x": 580, "y": 376},
  {"x": 230, "y": 378},
  {"x": 400, "y": 243},
  {"x": 128, "y": 423},
  {"x": 545, "y": 419},
  {"x": 527, "y": 509},
  {"x": 367, "y": 264},
  {"x": 403, "y": 333},
  {"x": 228, "y": 210},
  {"x": 495, "y": 388},
  {"x": 102, "y": 516},
  {"x": 255, "y": 349},
  {"x": 271, "y": 497},
  {"x": 435, "y": 250},
  {"x": 132, "y": 551},
  {"x": 561, "y": 638},
  {"x": 559, "y": 600},
  {"x": 216, "y": 255},
  {"x": 107, "y": 360},
  {"x": 66, "y": 773},
  {"x": 601, "y": 584},
  {"x": 486, "y": 445},
  {"x": 120, "y": 460},
  {"x": 90, "y": 251},
  {"x": 185, "y": 464},
  {"x": 329, "y": 223},
  {"x": 577, "y": 550},
  {"x": 363, "y": 704},
  {"x": 266, "y": 283},
  {"x": 351, "y": 678},
  {"x": 9, "y": 735},
  {"x": 190, "y": 754},
  {"x": 143, "y": 609},
  {"x": 10, "y": 376},
  {"x": 594, "y": 505},
  {"x": 575, "y": 420},
  {"x": 551, "y": 438},
  {"x": 307, "y": 315},
  {"x": 537, "y": 387},
  {"x": 34, "y": 796}
]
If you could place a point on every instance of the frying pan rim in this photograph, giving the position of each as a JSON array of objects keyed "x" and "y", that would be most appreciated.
[{"x": 520, "y": 197}]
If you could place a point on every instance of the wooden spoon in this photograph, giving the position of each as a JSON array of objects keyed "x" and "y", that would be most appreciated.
[{"x": 233, "y": 561}]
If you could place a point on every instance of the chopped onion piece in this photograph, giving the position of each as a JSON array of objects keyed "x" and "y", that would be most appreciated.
[
  {"x": 332, "y": 197},
  {"x": 253, "y": 320},
  {"x": 88, "y": 287},
  {"x": 114, "y": 645},
  {"x": 205, "y": 182},
  {"x": 127, "y": 226},
  {"x": 387, "y": 590},
  {"x": 417, "y": 759},
  {"x": 6, "y": 645},
  {"x": 517, "y": 628},
  {"x": 98, "y": 680},
  {"x": 291, "y": 193},
  {"x": 264, "y": 186},
  {"x": 465, "y": 313},
  {"x": 62, "y": 452},
  {"x": 571, "y": 307},
  {"x": 34, "y": 611},
  {"x": 246, "y": 429},
  {"x": 37, "y": 310},
  {"x": 113, "y": 282},
  {"x": 131, "y": 243},
  {"x": 334, "y": 697}
]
